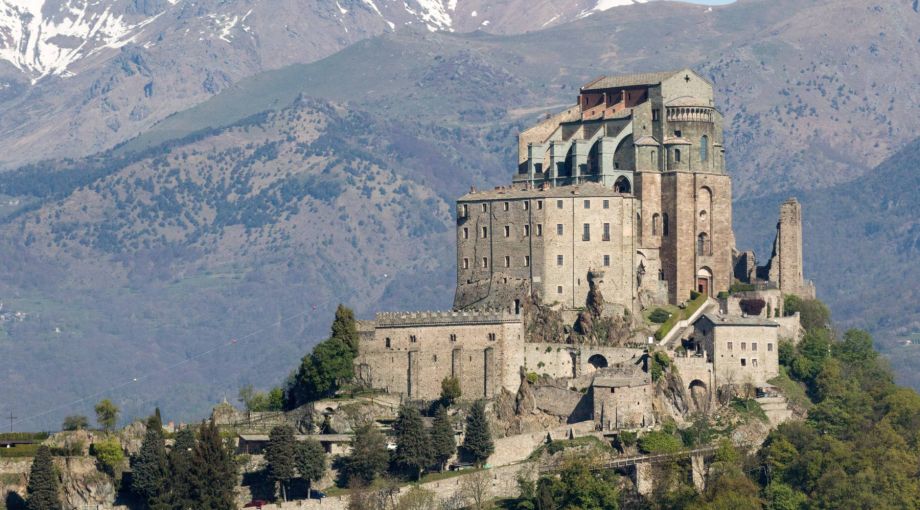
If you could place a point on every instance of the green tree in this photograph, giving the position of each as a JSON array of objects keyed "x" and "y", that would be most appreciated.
[
  {"x": 75, "y": 422},
  {"x": 450, "y": 390},
  {"x": 107, "y": 414},
  {"x": 311, "y": 461},
  {"x": 323, "y": 371},
  {"x": 369, "y": 455},
  {"x": 443, "y": 442},
  {"x": 150, "y": 466},
  {"x": 109, "y": 453},
  {"x": 179, "y": 482},
  {"x": 813, "y": 313},
  {"x": 260, "y": 401},
  {"x": 43, "y": 489},
  {"x": 281, "y": 454},
  {"x": 587, "y": 490},
  {"x": 344, "y": 328},
  {"x": 413, "y": 445},
  {"x": 417, "y": 498},
  {"x": 212, "y": 472},
  {"x": 477, "y": 443}
]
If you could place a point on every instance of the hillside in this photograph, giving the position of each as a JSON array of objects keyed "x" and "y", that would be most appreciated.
[{"x": 216, "y": 260}]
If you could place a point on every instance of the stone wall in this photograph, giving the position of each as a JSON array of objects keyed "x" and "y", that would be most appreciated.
[
  {"x": 572, "y": 361},
  {"x": 785, "y": 267}
]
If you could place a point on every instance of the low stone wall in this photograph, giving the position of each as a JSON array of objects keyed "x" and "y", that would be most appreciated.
[
  {"x": 790, "y": 327},
  {"x": 513, "y": 449}
]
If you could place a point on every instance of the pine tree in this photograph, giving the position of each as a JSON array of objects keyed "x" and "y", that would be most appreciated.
[
  {"x": 179, "y": 482},
  {"x": 369, "y": 455},
  {"x": 43, "y": 483},
  {"x": 150, "y": 467},
  {"x": 212, "y": 479},
  {"x": 107, "y": 414},
  {"x": 344, "y": 327},
  {"x": 443, "y": 443},
  {"x": 311, "y": 461},
  {"x": 280, "y": 454},
  {"x": 478, "y": 443},
  {"x": 413, "y": 446}
]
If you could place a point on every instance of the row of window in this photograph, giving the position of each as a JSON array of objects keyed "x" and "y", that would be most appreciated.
[
  {"x": 753, "y": 346},
  {"x": 525, "y": 204},
  {"x": 560, "y": 261},
  {"x": 452, "y": 337},
  {"x": 560, "y": 230}
]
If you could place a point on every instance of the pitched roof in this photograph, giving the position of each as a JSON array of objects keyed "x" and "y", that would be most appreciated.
[
  {"x": 646, "y": 140},
  {"x": 737, "y": 320},
  {"x": 629, "y": 80},
  {"x": 584, "y": 190},
  {"x": 620, "y": 375}
]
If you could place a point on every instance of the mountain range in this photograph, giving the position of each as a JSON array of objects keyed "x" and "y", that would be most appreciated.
[{"x": 205, "y": 245}]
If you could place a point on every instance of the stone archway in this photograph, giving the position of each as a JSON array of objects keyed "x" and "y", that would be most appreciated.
[
  {"x": 597, "y": 361},
  {"x": 699, "y": 395}
]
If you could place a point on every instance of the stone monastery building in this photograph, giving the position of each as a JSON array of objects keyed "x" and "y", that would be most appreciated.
[{"x": 626, "y": 193}]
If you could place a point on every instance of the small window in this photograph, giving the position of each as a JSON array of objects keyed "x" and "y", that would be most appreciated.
[
  {"x": 434, "y": 358},
  {"x": 526, "y": 230},
  {"x": 453, "y": 337},
  {"x": 559, "y": 260},
  {"x": 539, "y": 204},
  {"x": 743, "y": 346},
  {"x": 526, "y": 260},
  {"x": 586, "y": 232},
  {"x": 387, "y": 342},
  {"x": 505, "y": 206},
  {"x": 587, "y": 204},
  {"x": 753, "y": 362},
  {"x": 559, "y": 289},
  {"x": 656, "y": 114},
  {"x": 507, "y": 231},
  {"x": 507, "y": 261},
  {"x": 539, "y": 230},
  {"x": 485, "y": 232},
  {"x": 558, "y": 204},
  {"x": 485, "y": 262},
  {"x": 677, "y": 133},
  {"x": 606, "y": 260},
  {"x": 526, "y": 205},
  {"x": 485, "y": 207},
  {"x": 704, "y": 148},
  {"x": 606, "y": 204},
  {"x": 466, "y": 233},
  {"x": 729, "y": 346},
  {"x": 743, "y": 362},
  {"x": 413, "y": 338},
  {"x": 466, "y": 263},
  {"x": 665, "y": 228},
  {"x": 656, "y": 224},
  {"x": 677, "y": 155},
  {"x": 559, "y": 229},
  {"x": 491, "y": 337},
  {"x": 606, "y": 232},
  {"x": 754, "y": 346},
  {"x": 769, "y": 347}
]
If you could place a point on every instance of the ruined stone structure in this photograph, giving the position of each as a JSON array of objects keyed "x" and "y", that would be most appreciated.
[{"x": 785, "y": 265}]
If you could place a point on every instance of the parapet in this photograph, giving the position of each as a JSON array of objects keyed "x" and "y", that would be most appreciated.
[{"x": 446, "y": 318}]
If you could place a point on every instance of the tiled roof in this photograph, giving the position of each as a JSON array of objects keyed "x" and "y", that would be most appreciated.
[
  {"x": 620, "y": 375},
  {"x": 629, "y": 80},
  {"x": 646, "y": 140},
  {"x": 737, "y": 320}
]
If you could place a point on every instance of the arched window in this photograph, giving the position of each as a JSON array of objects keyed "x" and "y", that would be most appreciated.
[
  {"x": 703, "y": 247},
  {"x": 656, "y": 224},
  {"x": 654, "y": 158},
  {"x": 622, "y": 185},
  {"x": 677, "y": 155},
  {"x": 704, "y": 148},
  {"x": 664, "y": 225}
]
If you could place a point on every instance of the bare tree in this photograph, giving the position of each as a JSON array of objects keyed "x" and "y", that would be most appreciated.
[{"x": 476, "y": 488}]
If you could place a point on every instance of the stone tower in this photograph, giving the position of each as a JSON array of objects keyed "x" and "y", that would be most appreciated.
[{"x": 785, "y": 266}]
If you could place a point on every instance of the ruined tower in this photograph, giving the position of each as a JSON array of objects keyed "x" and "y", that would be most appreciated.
[{"x": 785, "y": 265}]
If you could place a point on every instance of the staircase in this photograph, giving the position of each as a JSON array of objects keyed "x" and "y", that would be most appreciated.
[{"x": 776, "y": 409}]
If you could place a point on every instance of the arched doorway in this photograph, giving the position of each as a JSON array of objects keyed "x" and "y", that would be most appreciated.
[
  {"x": 621, "y": 185},
  {"x": 699, "y": 395},
  {"x": 597, "y": 361},
  {"x": 704, "y": 281}
]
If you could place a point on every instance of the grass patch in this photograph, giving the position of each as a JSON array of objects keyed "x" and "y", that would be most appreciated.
[
  {"x": 556, "y": 446},
  {"x": 680, "y": 315},
  {"x": 792, "y": 390},
  {"x": 749, "y": 408},
  {"x": 19, "y": 451}
]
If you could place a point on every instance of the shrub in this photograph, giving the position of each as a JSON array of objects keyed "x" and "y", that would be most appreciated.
[
  {"x": 660, "y": 442},
  {"x": 109, "y": 454},
  {"x": 752, "y": 306},
  {"x": 532, "y": 377},
  {"x": 659, "y": 315}
]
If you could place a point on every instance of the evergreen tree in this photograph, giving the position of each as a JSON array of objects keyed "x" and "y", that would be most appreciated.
[
  {"x": 311, "y": 461},
  {"x": 323, "y": 371},
  {"x": 150, "y": 466},
  {"x": 43, "y": 483},
  {"x": 107, "y": 414},
  {"x": 450, "y": 390},
  {"x": 212, "y": 479},
  {"x": 478, "y": 443},
  {"x": 179, "y": 482},
  {"x": 344, "y": 327},
  {"x": 443, "y": 443},
  {"x": 369, "y": 455},
  {"x": 413, "y": 445},
  {"x": 280, "y": 454}
]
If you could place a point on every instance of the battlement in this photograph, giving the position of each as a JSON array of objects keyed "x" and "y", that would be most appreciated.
[{"x": 446, "y": 318}]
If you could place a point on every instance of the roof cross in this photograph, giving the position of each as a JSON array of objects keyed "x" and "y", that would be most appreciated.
[{"x": 687, "y": 78}]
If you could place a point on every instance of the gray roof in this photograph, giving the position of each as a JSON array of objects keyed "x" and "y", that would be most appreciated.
[
  {"x": 737, "y": 320},
  {"x": 322, "y": 438},
  {"x": 621, "y": 375},
  {"x": 646, "y": 140},
  {"x": 586, "y": 190},
  {"x": 629, "y": 80}
]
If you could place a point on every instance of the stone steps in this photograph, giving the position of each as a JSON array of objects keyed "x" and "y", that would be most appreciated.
[{"x": 776, "y": 409}]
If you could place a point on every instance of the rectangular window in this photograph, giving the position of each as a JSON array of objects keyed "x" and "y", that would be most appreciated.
[
  {"x": 606, "y": 204},
  {"x": 539, "y": 204},
  {"x": 526, "y": 230},
  {"x": 466, "y": 263},
  {"x": 466, "y": 210},
  {"x": 434, "y": 358},
  {"x": 526, "y": 205},
  {"x": 606, "y": 260},
  {"x": 485, "y": 232},
  {"x": 413, "y": 338},
  {"x": 754, "y": 346},
  {"x": 753, "y": 362},
  {"x": 491, "y": 337},
  {"x": 559, "y": 289},
  {"x": 539, "y": 229},
  {"x": 453, "y": 337},
  {"x": 743, "y": 346},
  {"x": 559, "y": 229},
  {"x": 507, "y": 230},
  {"x": 587, "y": 204},
  {"x": 606, "y": 232},
  {"x": 505, "y": 206},
  {"x": 769, "y": 347},
  {"x": 729, "y": 346},
  {"x": 466, "y": 233},
  {"x": 656, "y": 114},
  {"x": 507, "y": 261},
  {"x": 586, "y": 232},
  {"x": 485, "y": 262},
  {"x": 558, "y": 204},
  {"x": 485, "y": 207},
  {"x": 743, "y": 362},
  {"x": 526, "y": 260},
  {"x": 559, "y": 260},
  {"x": 388, "y": 342}
]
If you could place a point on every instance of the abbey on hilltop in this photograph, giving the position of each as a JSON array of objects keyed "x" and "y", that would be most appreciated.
[{"x": 619, "y": 204}]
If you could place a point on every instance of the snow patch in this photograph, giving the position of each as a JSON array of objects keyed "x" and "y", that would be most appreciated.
[
  {"x": 342, "y": 10},
  {"x": 603, "y": 5}
]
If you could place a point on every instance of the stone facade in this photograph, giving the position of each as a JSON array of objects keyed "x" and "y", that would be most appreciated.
[
  {"x": 742, "y": 350},
  {"x": 785, "y": 265},
  {"x": 622, "y": 395}
]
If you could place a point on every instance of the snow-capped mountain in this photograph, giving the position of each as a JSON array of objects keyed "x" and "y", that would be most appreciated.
[{"x": 47, "y": 37}]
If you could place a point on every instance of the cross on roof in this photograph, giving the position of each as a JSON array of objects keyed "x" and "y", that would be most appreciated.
[{"x": 687, "y": 78}]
